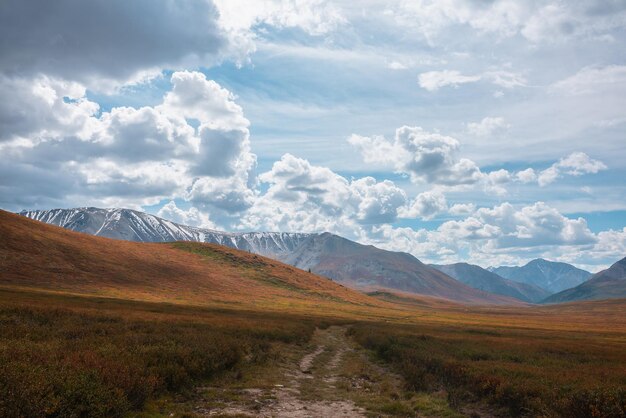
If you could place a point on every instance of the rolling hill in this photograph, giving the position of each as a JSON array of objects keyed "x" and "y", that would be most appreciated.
[
  {"x": 75, "y": 307},
  {"x": 345, "y": 261},
  {"x": 479, "y": 278},
  {"x": 41, "y": 256},
  {"x": 607, "y": 284},
  {"x": 549, "y": 275}
]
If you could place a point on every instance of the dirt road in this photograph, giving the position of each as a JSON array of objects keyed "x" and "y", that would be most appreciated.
[
  {"x": 331, "y": 377},
  {"x": 306, "y": 388}
]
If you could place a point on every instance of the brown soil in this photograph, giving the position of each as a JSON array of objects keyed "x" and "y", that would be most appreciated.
[{"x": 293, "y": 397}]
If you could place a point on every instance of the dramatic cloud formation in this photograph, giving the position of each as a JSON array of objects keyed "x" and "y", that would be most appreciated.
[
  {"x": 433, "y": 158},
  {"x": 505, "y": 232},
  {"x": 504, "y": 226},
  {"x": 425, "y": 156},
  {"x": 304, "y": 197},
  {"x": 231, "y": 114},
  {"x": 127, "y": 154},
  {"x": 104, "y": 42},
  {"x": 426, "y": 205},
  {"x": 191, "y": 217}
]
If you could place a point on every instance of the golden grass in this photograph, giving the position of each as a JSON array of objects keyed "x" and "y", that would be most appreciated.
[
  {"x": 39, "y": 256},
  {"x": 525, "y": 370},
  {"x": 77, "y": 356},
  {"x": 60, "y": 289}
]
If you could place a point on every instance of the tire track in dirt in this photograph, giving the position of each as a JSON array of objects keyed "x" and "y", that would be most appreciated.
[
  {"x": 307, "y": 361},
  {"x": 333, "y": 378},
  {"x": 289, "y": 399}
]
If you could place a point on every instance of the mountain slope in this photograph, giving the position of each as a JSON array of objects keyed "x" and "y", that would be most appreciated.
[
  {"x": 133, "y": 225},
  {"x": 607, "y": 284},
  {"x": 368, "y": 267},
  {"x": 342, "y": 260},
  {"x": 479, "y": 278},
  {"x": 549, "y": 275},
  {"x": 41, "y": 256}
]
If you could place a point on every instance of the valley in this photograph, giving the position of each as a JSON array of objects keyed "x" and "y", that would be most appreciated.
[
  {"x": 312, "y": 209},
  {"x": 195, "y": 330},
  {"x": 361, "y": 267}
]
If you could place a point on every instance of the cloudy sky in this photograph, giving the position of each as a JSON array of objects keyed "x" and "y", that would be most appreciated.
[{"x": 488, "y": 131}]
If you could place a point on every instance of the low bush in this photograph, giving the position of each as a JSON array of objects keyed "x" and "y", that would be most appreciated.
[
  {"x": 59, "y": 360},
  {"x": 527, "y": 374}
]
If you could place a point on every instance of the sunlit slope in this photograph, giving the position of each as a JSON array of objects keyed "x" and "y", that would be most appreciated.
[
  {"x": 37, "y": 255},
  {"x": 607, "y": 284},
  {"x": 369, "y": 268}
]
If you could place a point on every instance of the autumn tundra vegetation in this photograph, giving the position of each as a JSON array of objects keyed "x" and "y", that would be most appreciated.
[{"x": 97, "y": 327}]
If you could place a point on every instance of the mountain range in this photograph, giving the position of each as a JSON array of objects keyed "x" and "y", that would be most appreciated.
[
  {"x": 364, "y": 267},
  {"x": 607, "y": 284},
  {"x": 347, "y": 262},
  {"x": 132, "y": 225},
  {"x": 480, "y": 278},
  {"x": 367, "y": 267},
  {"x": 549, "y": 275}
]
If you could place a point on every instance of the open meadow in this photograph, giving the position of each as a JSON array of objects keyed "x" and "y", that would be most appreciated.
[
  {"x": 97, "y": 327},
  {"x": 65, "y": 355}
]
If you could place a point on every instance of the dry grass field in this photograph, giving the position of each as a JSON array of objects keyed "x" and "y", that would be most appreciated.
[
  {"x": 519, "y": 370},
  {"x": 70, "y": 356},
  {"x": 41, "y": 256},
  {"x": 97, "y": 327}
]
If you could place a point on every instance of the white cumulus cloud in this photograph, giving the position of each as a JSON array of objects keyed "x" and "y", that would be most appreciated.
[
  {"x": 462, "y": 209},
  {"x": 425, "y": 156},
  {"x": 305, "y": 197},
  {"x": 126, "y": 156},
  {"x": 191, "y": 216},
  {"x": 575, "y": 164},
  {"x": 425, "y": 206}
]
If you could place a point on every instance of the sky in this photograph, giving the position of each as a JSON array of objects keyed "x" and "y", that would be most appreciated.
[{"x": 486, "y": 131}]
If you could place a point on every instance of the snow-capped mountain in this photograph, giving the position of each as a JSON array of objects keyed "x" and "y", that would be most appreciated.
[
  {"x": 133, "y": 225},
  {"x": 344, "y": 261}
]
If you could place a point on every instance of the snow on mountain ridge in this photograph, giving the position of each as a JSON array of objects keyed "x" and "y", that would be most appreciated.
[
  {"x": 132, "y": 225},
  {"x": 337, "y": 258}
]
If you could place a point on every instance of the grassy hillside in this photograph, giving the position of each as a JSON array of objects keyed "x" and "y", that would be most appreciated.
[
  {"x": 42, "y": 256},
  {"x": 98, "y": 327},
  {"x": 517, "y": 371}
]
